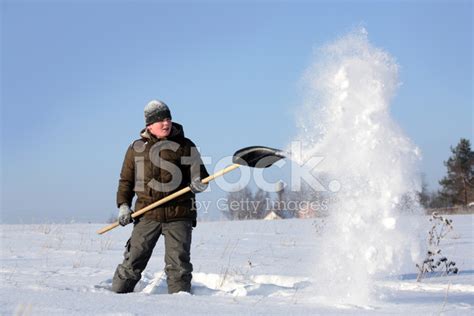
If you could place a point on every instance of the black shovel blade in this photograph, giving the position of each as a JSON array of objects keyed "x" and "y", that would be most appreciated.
[{"x": 257, "y": 156}]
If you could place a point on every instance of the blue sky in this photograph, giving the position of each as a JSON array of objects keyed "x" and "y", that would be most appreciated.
[{"x": 76, "y": 76}]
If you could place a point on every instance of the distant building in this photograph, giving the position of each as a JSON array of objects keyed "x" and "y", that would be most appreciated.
[
  {"x": 306, "y": 212},
  {"x": 271, "y": 216}
]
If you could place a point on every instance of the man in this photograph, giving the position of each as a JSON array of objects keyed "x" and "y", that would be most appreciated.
[{"x": 161, "y": 162}]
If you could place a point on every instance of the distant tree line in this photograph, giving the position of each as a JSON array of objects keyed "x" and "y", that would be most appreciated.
[
  {"x": 457, "y": 190},
  {"x": 305, "y": 203},
  {"x": 457, "y": 186}
]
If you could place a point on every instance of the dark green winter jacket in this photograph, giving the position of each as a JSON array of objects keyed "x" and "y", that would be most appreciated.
[{"x": 155, "y": 168}]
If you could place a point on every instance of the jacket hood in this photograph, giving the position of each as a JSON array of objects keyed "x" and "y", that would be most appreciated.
[{"x": 177, "y": 131}]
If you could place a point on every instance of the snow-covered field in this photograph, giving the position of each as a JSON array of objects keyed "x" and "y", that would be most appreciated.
[{"x": 247, "y": 267}]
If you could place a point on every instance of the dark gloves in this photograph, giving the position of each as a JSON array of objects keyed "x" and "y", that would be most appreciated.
[
  {"x": 197, "y": 186},
  {"x": 125, "y": 215}
]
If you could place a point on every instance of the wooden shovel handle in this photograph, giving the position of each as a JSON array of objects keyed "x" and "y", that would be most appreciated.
[{"x": 170, "y": 197}]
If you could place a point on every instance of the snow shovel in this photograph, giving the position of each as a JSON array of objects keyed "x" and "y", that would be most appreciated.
[{"x": 254, "y": 157}]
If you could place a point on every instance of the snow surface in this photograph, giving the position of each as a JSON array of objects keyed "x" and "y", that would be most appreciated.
[{"x": 247, "y": 267}]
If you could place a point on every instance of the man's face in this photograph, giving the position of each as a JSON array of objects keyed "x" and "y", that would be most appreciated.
[{"x": 160, "y": 129}]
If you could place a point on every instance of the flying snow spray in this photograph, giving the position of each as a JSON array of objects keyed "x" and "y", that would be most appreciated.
[{"x": 371, "y": 165}]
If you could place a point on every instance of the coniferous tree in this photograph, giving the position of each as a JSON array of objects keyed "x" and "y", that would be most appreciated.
[{"x": 457, "y": 187}]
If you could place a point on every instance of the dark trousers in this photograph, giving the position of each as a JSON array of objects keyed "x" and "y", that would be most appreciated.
[{"x": 140, "y": 246}]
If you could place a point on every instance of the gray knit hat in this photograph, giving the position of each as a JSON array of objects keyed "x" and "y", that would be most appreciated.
[{"x": 156, "y": 111}]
